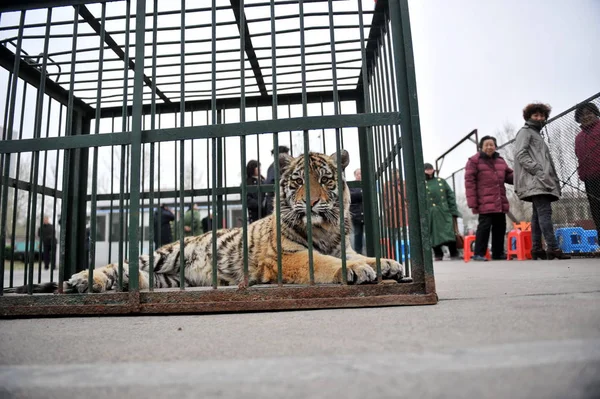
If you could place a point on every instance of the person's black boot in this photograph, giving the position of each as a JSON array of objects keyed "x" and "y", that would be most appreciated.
[
  {"x": 538, "y": 254},
  {"x": 557, "y": 254}
]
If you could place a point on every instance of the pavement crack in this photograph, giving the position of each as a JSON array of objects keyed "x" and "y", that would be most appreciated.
[{"x": 441, "y": 298}]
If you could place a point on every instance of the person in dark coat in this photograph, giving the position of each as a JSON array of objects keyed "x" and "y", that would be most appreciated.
[
  {"x": 587, "y": 149},
  {"x": 269, "y": 207},
  {"x": 48, "y": 235},
  {"x": 207, "y": 223},
  {"x": 255, "y": 201},
  {"x": 485, "y": 175},
  {"x": 443, "y": 213},
  {"x": 163, "y": 217},
  {"x": 356, "y": 211},
  {"x": 536, "y": 180}
]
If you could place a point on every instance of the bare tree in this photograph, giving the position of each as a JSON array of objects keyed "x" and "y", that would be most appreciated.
[
  {"x": 18, "y": 204},
  {"x": 470, "y": 220},
  {"x": 18, "y": 199},
  {"x": 110, "y": 170},
  {"x": 192, "y": 177}
]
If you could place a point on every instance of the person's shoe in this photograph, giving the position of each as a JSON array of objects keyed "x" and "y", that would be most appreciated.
[
  {"x": 557, "y": 254},
  {"x": 456, "y": 257},
  {"x": 501, "y": 257},
  {"x": 438, "y": 258},
  {"x": 538, "y": 254},
  {"x": 479, "y": 258}
]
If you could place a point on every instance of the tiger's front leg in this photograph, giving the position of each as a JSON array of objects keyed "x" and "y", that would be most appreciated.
[
  {"x": 105, "y": 278},
  {"x": 327, "y": 269}
]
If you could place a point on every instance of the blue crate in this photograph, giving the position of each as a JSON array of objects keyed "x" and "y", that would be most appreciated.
[
  {"x": 591, "y": 237},
  {"x": 573, "y": 240}
]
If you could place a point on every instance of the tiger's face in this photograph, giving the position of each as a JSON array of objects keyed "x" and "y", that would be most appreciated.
[{"x": 323, "y": 197}]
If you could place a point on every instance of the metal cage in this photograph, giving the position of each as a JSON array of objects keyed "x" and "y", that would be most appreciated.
[{"x": 112, "y": 108}]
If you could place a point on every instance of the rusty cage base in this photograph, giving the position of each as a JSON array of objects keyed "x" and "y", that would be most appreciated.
[{"x": 224, "y": 299}]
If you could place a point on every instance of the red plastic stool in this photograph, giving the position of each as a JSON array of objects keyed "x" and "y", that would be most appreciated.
[
  {"x": 468, "y": 249},
  {"x": 522, "y": 247}
]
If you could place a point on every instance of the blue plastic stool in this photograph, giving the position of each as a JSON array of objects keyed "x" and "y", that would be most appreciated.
[{"x": 572, "y": 239}]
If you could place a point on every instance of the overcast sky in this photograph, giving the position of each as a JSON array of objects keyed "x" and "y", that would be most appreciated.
[
  {"x": 480, "y": 62},
  {"x": 477, "y": 64}
]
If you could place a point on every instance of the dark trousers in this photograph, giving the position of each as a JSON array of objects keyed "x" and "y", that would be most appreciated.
[
  {"x": 49, "y": 249},
  {"x": 358, "y": 230},
  {"x": 592, "y": 188},
  {"x": 541, "y": 223},
  {"x": 496, "y": 222},
  {"x": 439, "y": 253}
]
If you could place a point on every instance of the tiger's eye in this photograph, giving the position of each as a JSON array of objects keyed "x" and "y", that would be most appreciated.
[
  {"x": 325, "y": 180},
  {"x": 299, "y": 180}
]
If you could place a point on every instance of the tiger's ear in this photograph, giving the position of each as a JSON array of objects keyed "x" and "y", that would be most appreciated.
[
  {"x": 284, "y": 162},
  {"x": 345, "y": 158}
]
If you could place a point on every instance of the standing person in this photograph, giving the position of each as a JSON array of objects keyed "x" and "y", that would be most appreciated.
[
  {"x": 536, "y": 180},
  {"x": 255, "y": 203},
  {"x": 163, "y": 217},
  {"x": 356, "y": 210},
  {"x": 192, "y": 224},
  {"x": 443, "y": 214},
  {"x": 587, "y": 149},
  {"x": 207, "y": 223},
  {"x": 271, "y": 180},
  {"x": 485, "y": 175},
  {"x": 48, "y": 235}
]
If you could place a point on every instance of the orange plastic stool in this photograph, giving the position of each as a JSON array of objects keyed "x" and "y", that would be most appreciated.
[
  {"x": 468, "y": 250},
  {"x": 522, "y": 247},
  {"x": 523, "y": 226}
]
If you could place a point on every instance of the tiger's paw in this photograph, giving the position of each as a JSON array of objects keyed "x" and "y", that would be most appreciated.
[
  {"x": 391, "y": 269},
  {"x": 360, "y": 273},
  {"x": 79, "y": 283}
]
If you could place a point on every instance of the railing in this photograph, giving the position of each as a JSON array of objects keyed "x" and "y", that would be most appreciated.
[{"x": 579, "y": 198}]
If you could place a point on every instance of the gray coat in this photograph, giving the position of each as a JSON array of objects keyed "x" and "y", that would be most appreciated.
[{"x": 535, "y": 173}]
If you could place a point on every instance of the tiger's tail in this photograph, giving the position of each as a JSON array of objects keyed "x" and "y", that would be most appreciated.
[{"x": 44, "y": 288}]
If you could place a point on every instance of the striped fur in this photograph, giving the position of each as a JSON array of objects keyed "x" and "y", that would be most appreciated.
[{"x": 262, "y": 242}]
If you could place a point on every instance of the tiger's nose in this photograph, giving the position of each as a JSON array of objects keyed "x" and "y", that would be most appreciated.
[{"x": 313, "y": 202}]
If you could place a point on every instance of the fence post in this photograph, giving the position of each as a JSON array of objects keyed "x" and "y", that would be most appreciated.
[
  {"x": 136, "y": 146},
  {"x": 368, "y": 182},
  {"x": 74, "y": 197},
  {"x": 420, "y": 246},
  {"x": 220, "y": 217}
]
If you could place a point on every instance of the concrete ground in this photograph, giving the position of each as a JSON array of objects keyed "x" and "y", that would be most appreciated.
[{"x": 501, "y": 330}]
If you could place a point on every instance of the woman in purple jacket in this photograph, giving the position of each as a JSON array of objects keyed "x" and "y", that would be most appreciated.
[{"x": 485, "y": 175}]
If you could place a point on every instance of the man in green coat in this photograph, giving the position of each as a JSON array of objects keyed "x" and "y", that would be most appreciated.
[
  {"x": 192, "y": 223},
  {"x": 442, "y": 214}
]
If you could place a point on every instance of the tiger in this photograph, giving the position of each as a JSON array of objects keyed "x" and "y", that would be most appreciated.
[{"x": 262, "y": 242}]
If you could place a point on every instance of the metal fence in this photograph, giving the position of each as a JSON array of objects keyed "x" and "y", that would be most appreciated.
[
  {"x": 576, "y": 169},
  {"x": 113, "y": 109}
]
